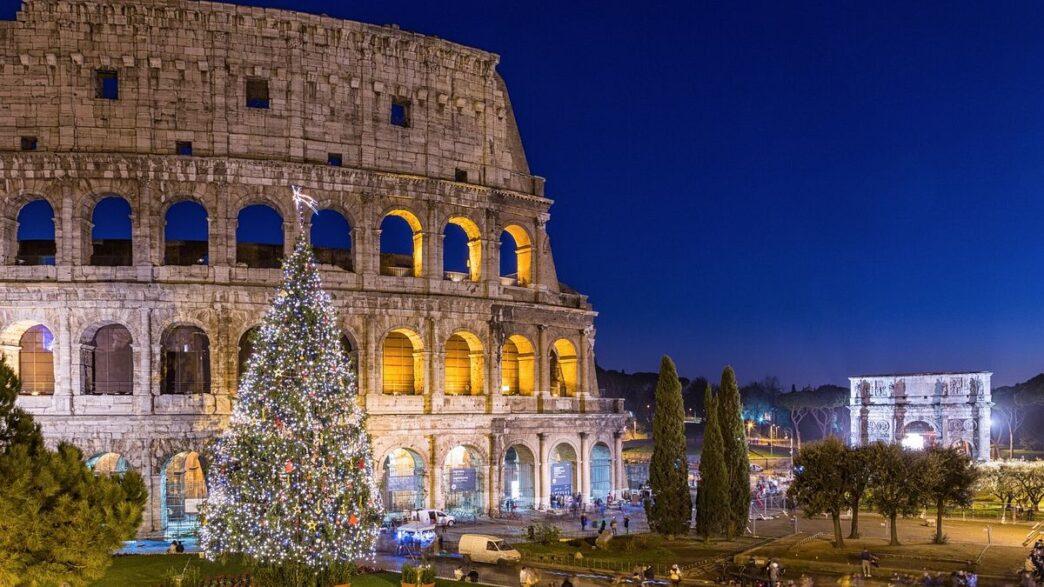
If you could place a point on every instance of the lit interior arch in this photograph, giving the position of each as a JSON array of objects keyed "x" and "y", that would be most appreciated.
[
  {"x": 517, "y": 366},
  {"x": 516, "y": 255},
  {"x": 462, "y": 249},
  {"x": 464, "y": 365},
  {"x": 402, "y": 363},
  {"x": 563, "y": 368},
  {"x": 402, "y": 244}
]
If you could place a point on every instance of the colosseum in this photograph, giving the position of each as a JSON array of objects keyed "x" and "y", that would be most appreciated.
[{"x": 146, "y": 153}]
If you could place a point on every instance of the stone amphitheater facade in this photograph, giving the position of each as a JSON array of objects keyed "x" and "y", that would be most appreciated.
[{"x": 480, "y": 386}]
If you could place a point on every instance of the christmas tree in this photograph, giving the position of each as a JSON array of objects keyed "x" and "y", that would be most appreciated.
[{"x": 292, "y": 483}]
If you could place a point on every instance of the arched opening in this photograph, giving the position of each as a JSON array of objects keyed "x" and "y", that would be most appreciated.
[
  {"x": 464, "y": 479},
  {"x": 352, "y": 354},
  {"x": 562, "y": 471},
  {"x": 111, "y": 238},
  {"x": 464, "y": 365},
  {"x": 185, "y": 367},
  {"x": 108, "y": 362},
  {"x": 108, "y": 463},
  {"x": 517, "y": 366},
  {"x": 601, "y": 469},
  {"x": 403, "y": 483},
  {"x": 402, "y": 245},
  {"x": 183, "y": 489},
  {"x": 36, "y": 361},
  {"x": 516, "y": 256},
  {"x": 36, "y": 234},
  {"x": 519, "y": 478},
  {"x": 259, "y": 237},
  {"x": 918, "y": 435},
  {"x": 563, "y": 363},
  {"x": 185, "y": 240},
  {"x": 402, "y": 363},
  {"x": 246, "y": 350},
  {"x": 461, "y": 250},
  {"x": 331, "y": 239}
]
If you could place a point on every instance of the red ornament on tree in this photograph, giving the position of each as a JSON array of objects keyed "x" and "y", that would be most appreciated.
[
  {"x": 353, "y": 519},
  {"x": 289, "y": 468}
]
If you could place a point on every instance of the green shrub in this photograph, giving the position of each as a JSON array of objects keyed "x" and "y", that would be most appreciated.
[
  {"x": 545, "y": 533},
  {"x": 427, "y": 574},
  {"x": 410, "y": 573}
]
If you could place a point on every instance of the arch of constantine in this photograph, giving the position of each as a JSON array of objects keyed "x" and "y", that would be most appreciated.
[{"x": 146, "y": 153}]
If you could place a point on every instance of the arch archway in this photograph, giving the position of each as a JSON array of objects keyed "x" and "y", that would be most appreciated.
[
  {"x": 601, "y": 471},
  {"x": 519, "y": 487},
  {"x": 516, "y": 256},
  {"x": 36, "y": 234},
  {"x": 402, "y": 363},
  {"x": 461, "y": 250},
  {"x": 183, "y": 488},
  {"x": 918, "y": 435},
  {"x": 185, "y": 363},
  {"x": 108, "y": 463},
  {"x": 517, "y": 366},
  {"x": 185, "y": 238},
  {"x": 331, "y": 238},
  {"x": 112, "y": 241},
  {"x": 563, "y": 362},
  {"x": 562, "y": 473},
  {"x": 246, "y": 350},
  {"x": 259, "y": 237},
  {"x": 352, "y": 354},
  {"x": 402, "y": 486},
  {"x": 464, "y": 365},
  {"x": 36, "y": 361},
  {"x": 402, "y": 245},
  {"x": 464, "y": 480},
  {"x": 107, "y": 361}
]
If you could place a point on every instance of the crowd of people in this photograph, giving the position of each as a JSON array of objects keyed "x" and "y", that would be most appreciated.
[{"x": 1032, "y": 574}]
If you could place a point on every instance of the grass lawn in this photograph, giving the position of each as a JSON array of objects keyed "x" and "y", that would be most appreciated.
[
  {"x": 152, "y": 569},
  {"x": 629, "y": 551}
]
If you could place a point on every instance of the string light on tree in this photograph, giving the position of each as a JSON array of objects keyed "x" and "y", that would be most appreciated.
[{"x": 292, "y": 477}]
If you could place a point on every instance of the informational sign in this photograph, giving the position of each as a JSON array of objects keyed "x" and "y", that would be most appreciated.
[
  {"x": 561, "y": 478},
  {"x": 462, "y": 479},
  {"x": 401, "y": 483}
]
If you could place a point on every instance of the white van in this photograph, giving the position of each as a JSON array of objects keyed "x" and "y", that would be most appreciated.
[
  {"x": 483, "y": 548},
  {"x": 436, "y": 517}
]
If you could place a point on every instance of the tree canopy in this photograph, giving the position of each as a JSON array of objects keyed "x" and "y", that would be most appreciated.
[{"x": 671, "y": 506}]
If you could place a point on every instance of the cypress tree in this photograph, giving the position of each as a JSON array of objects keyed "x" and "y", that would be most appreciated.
[
  {"x": 671, "y": 506},
  {"x": 713, "y": 496},
  {"x": 730, "y": 412}
]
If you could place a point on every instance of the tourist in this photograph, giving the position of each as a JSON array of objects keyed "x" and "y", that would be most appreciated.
[
  {"x": 774, "y": 571},
  {"x": 675, "y": 575},
  {"x": 567, "y": 582},
  {"x": 473, "y": 576},
  {"x": 865, "y": 559},
  {"x": 583, "y": 522},
  {"x": 524, "y": 577},
  {"x": 627, "y": 524},
  {"x": 648, "y": 573},
  {"x": 173, "y": 548},
  {"x": 612, "y": 526},
  {"x": 179, "y": 546},
  {"x": 636, "y": 576},
  {"x": 458, "y": 573},
  {"x": 602, "y": 527}
]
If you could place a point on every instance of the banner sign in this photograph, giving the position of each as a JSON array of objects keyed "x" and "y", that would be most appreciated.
[
  {"x": 462, "y": 479},
  {"x": 402, "y": 483},
  {"x": 561, "y": 478}
]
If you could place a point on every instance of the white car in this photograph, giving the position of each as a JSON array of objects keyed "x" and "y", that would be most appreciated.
[
  {"x": 436, "y": 517},
  {"x": 482, "y": 548}
]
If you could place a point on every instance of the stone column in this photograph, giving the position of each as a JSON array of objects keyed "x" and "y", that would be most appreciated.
[
  {"x": 496, "y": 466},
  {"x": 620, "y": 481},
  {"x": 543, "y": 369},
  {"x": 63, "y": 372},
  {"x": 541, "y": 486},
  {"x": 145, "y": 377},
  {"x": 582, "y": 472},
  {"x": 370, "y": 366},
  {"x": 142, "y": 225},
  {"x": 435, "y": 486},
  {"x": 983, "y": 445}
]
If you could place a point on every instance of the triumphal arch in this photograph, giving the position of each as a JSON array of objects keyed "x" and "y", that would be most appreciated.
[{"x": 922, "y": 410}]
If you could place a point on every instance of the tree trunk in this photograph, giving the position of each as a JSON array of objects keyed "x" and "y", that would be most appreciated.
[
  {"x": 895, "y": 532},
  {"x": 839, "y": 542},
  {"x": 938, "y": 521},
  {"x": 855, "y": 520},
  {"x": 1011, "y": 442}
]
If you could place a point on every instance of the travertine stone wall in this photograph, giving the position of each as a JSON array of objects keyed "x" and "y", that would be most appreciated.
[{"x": 182, "y": 68}]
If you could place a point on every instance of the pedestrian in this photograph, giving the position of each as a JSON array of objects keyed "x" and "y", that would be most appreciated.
[
  {"x": 458, "y": 573},
  {"x": 473, "y": 576},
  {"x": 865, "y": 558},
  {"x": 173, "y": 548},
  {"x": 583, "y": 522},
  {"x": 523, "y": 577},
  {"x": 602, "y": 528},
  {"x": 773, "y": 571},
  {"x": 675, "y": 575},
  {"x": 439, "y": 540},
  {"x": 180, "y": 546},
  {"x": 649, "y": 574},
  {"x": 627, "y": 524},
  {"x": 612, "y": 526},
  {"x": 567, "y": 582}
]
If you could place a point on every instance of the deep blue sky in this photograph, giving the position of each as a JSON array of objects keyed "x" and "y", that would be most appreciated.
[{"x": 802, "y": 190}]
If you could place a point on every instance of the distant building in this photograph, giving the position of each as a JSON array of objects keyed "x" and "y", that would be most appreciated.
[{"x": 920, "y": 410}]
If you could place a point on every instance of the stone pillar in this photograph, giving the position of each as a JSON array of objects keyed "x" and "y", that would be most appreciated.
[
  {"x": 64, "y": 387},
  {"x": 142, "y": 225},
  {"x": 435, "y": 497},
  {"x": 620, "y": 481},
  {"x": 583, "y": 472},
  {"x": 542, "y": 485},
  {"x": 370, "y": 366},
  {"x": 145, "y": 376},
  {"x": 982, "y": 447},
  {"x": 542, "y": 366},
  {"x": 496, "y": 466}
]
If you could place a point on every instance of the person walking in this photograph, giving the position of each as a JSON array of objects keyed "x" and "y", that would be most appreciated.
[
  {"x": 627, "y": 524},
  {"x": 612, "y": 526},
  {"x": 602, "y": 528},
  {"x": 865, "y": 558},
  {"x": 675, "y": 576},
  {"x": 648, "y": 574},
  {"x": 583, "y": 522},
  {"x": 523, "y": 577}
]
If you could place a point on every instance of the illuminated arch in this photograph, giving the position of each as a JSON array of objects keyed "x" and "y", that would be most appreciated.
[
  {"x": 519, "y": 485},
  {"x": 246, "y": 350},
  {"x": 464, "y": 480},
  {"x": 462, "y": 243},
  {"x": 183, "y": 489},
  {"x": 516, "y": 255},
  {"x": 36, "y": 361},
  {"x": 563, "y": 361},
  {"x": 601, "y": 470},
  {"x": 517, "y": 366},
  {"x": 562, "y": 474},
  {"x": 403, "y": 480},
  {"x": 402, "y": 363},
  {"x": 395, "y": 260},
  {"x": 464, "y": 364},
  {"x": 108, "y": 463}
]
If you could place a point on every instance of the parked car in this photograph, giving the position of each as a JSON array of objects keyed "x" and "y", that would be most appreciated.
[
  {"x": 436, "y": 517},
  {"x": 483, "y": 548}
]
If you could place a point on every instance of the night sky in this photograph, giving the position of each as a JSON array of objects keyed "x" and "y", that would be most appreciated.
[{"x": 800, "y": 190}]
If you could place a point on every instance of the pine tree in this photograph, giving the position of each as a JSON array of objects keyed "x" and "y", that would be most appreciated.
[
  {"x": 730, "y": 412},
  {"x": 59, "y": 523},
  {"x": 671, "y": 505},
  {"x": 713, "y": 496},
  {"x": 292, "y": 483}
]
